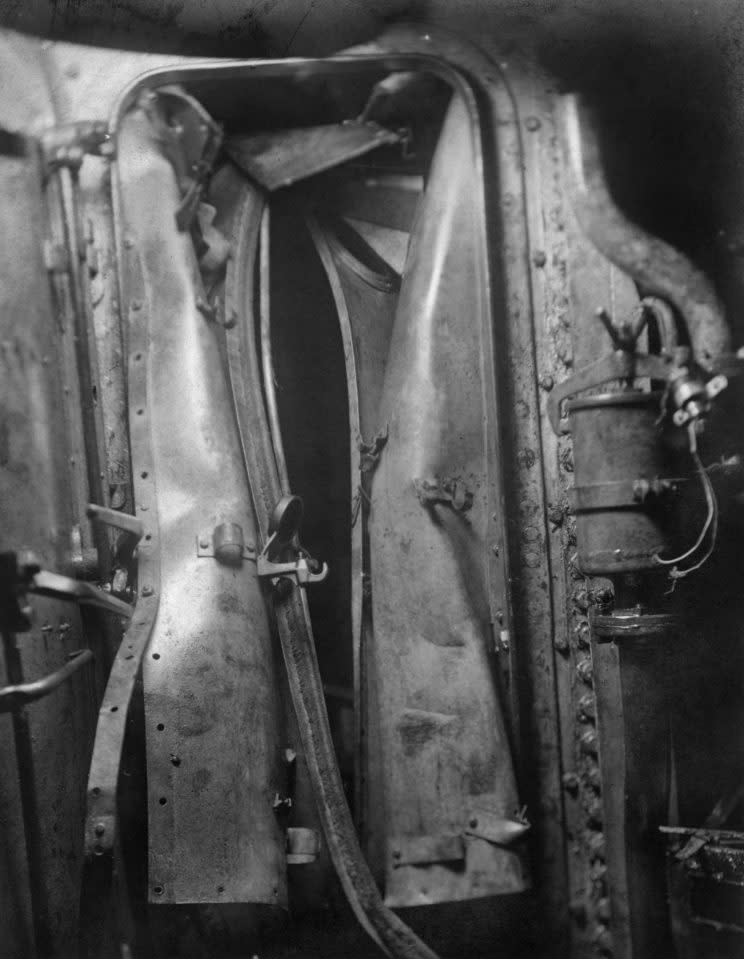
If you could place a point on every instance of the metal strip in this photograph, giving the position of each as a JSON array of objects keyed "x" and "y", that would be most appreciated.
[
  {"x": 424, "y": 850},
  {"x": 101, "y": 833},
  {"x": 357, "y": 524},
  {"x": 623, "y": 494}
]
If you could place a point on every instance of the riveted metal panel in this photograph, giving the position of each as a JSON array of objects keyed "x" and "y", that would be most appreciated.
[
  {"x": 210, "y": 692},
  {"x": 443, "y": 738}
]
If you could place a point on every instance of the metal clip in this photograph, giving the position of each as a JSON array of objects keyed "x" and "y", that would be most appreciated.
[{"x": 284, "y": 527}]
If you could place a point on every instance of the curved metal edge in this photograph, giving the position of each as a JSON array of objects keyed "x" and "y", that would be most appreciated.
[
  {"x": 325, "y": 252},
  {"x": 101, "y": 821},
  {"x": 267, "y": 353},
  {"x": 244, "y": 372},
  {"x": 657, "y": 267},
  {"x": 492, "y": 100},
  {"x": 387, "y": 282},
  {"x": 293, "y": 618}
]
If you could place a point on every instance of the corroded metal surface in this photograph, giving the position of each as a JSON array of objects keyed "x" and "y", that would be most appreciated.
[
  {"x": 442, "y": 734},
  {"x": 528, "y": 253},
  {"x": 213, "y": 834}
]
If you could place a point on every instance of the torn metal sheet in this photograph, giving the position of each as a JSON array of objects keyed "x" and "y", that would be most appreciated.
[{"x": 279, "y": 158}]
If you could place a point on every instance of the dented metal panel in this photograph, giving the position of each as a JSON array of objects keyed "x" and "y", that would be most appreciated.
[
  {"x": 442, "y": 734},
  {"x": 212, "y": 727}
]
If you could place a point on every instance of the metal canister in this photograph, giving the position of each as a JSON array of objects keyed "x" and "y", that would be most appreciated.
[{"x": 625, "y": 492}]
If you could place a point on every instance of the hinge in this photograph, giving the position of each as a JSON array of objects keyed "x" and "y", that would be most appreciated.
[{"x": 190, "y": 140}]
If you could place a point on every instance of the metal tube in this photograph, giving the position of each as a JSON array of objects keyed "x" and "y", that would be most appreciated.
[
  {"x": 656, "y": 267},
  {"x": 267, "y": 362}
]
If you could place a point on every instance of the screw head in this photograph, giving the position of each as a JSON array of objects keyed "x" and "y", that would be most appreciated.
[
  {"x": 147, "y": 590},
  {"x": 100, "y": 829}
]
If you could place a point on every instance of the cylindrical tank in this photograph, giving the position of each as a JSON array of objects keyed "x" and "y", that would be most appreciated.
[{"x": 625, "y": 487}]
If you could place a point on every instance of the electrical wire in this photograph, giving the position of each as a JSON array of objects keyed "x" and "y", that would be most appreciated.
[{"x": 711, "y": 520}]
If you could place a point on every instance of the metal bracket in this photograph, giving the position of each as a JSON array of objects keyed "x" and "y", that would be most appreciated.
[
  {"x": 619, "y": 365},
  {"x": 190, "y": 140},
  {"x": 131, "y": 529},
  {"x": 226, "y": 544},
  {"x": 689, "y": 391},
  {"x": 450, "y": 492},
  {"x": 66, "y": 145},
  {"x": 284, "y": 528},
  {"x": 623, "y": 494},
  {"x": 21, "y": 574},
  {"x": 632, "y": 623},
  {"x": 493, "y": 827},
  {"x": 303, "y": 845},
  {"x": 426, "y": 850},
  {"x": 693, "y": 396}
]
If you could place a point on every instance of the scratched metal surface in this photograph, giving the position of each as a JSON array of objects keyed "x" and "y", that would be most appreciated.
[
  {"x": 211, "y": 710},
  {"x": 444, "y": 749}
]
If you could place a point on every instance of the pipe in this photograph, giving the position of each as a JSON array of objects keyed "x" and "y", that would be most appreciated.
[{"x": 653, "y": 264}]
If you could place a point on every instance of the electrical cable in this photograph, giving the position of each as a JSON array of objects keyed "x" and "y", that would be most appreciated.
[{"x": 711, "y": 520}]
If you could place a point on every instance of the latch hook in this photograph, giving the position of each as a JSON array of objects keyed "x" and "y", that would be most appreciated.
[{"x": 284, "y": 527}]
